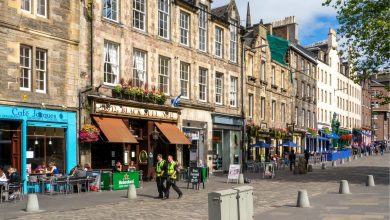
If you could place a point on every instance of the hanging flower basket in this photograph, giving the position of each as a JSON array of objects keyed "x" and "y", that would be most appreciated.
[
  {"x": 312, "y": 131},
  {"x": 89, "y": 133}
]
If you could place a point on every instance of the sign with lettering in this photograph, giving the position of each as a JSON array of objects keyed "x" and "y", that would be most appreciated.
[
  {"x": 234, "y": 172},
  {"x": 195, "y": 175},
  {"x": 123, "y": 179},
  {"x": 33, "y": 114},
  {"x": 135, "y": 112}
]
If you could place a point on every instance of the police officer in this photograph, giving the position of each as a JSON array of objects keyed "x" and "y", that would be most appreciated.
[
  {"x": 161, "y": 167},
  {"x": 172, "y": 177}
]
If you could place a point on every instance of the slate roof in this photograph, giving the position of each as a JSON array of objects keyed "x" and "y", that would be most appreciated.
[{"x": 220, "y": 12}]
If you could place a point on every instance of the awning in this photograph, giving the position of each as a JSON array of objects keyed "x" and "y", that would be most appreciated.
[
  {"x": 115, "y": 130},
  {"x": 363, "y": 133},
  {"x": 322, "y": 138},
  {"x": 332, "y": 135},
  {"x": 261, "y": 144},
  {"x": 172, "y": 133}
]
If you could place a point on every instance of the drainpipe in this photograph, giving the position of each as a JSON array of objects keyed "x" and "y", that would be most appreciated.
[
  {"x": 242, "y": 103},
  {"x": 91, "y": 39}
]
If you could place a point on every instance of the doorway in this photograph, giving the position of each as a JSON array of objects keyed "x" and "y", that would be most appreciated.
[{"x": 10, "y": 144}]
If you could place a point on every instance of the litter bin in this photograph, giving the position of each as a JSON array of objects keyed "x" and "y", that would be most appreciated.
[
  {"x": 245, "y": 202},
  {"x": 105, "y": 180},
  {"x": 223, "y": 205}
]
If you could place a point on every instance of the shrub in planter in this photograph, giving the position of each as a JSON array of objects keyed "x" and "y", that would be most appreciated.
[
  {"x": 117, "y": 92},
  {"x": 160, "y": 98}
]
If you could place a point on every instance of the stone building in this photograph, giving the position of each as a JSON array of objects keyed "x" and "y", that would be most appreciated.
[
  {"x": 336, "y": 91},
  {"x": 366, "y": 135},
  {"x": 39, "y": 71},
  {"x": 268, "y": 92},
  {"x": 163, "y": 49},
  {"x": 380, "y": 110},
  {"x": 302, "y": 64}
]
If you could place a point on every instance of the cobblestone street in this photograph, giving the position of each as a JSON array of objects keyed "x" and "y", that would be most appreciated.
[{"x": 273, "y": 198}]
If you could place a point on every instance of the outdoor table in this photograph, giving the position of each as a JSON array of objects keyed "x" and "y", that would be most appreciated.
[{"x": 5, "y": 186}]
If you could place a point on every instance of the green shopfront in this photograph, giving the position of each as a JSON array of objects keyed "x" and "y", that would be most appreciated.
[{"x": 30, "y": 137}]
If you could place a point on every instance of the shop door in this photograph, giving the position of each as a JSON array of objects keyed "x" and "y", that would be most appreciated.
[{"x": 16, "y": 156}]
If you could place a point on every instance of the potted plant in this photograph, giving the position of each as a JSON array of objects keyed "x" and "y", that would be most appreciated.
[
  {"x": 89, "y": 133},
  {"x": 160, "y": 98},
  {"x": 117, "y": 91}
]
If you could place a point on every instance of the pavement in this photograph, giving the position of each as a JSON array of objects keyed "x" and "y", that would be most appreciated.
[{"x": 273, "y": 198}]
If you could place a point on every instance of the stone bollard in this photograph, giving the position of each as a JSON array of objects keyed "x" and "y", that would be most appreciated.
[
  {"x": 310, "y": 168},
  {"x": 32, "y": 203},
  {"x": 355, "y": 157},
  {"x": 131, "y": 192},
  {"x": 370, "y": 180},
  {"x": 341, "y": 161},
  {"x": 303, "y": 199},
  {"x": 349, "y": 159},
  {"x": 334, "y": 163},
  {"x": 323, "y": 166},
  {"x": 344, "y": 188},
  {"x": 241, "y": 178}
]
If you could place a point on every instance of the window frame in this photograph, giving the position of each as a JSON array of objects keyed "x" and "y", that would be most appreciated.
[
  {"x": 143, "y": 17},
  {"x": 283, "y": 112},
  {"x": 185, "y": 29},
  {"x": 233, "y": 42},
  {"x": 219, "y": 87},
  {"x": 202, "y": 27},
  {"x": 263, "y": 70},
  {"x": 233, "y": 91},
  {"x": 117, "y": 10},
  {"x": 38, "y": 5},
  {"x": 202, "y": 80},
  {"x": 137, "y": 53},
  {"x": 167, "y": 15},
  {"x": 282, "y": 73},
  {"x": 273, "y": 110},
  {"x": 250, "y": 105},
  {"x": 218, "y": 42},
  {"x": 23, "y": 67},
  {"x": 164, "y": 74},
  {"x": 262, "y": 107},
  {"x": 108, "y": 43},
  {"x": 38, "y": 69},
  {"x": 23, "y": 4},
  {"x": 273, "y": 74},
  {"x": 183, "y": 80}
]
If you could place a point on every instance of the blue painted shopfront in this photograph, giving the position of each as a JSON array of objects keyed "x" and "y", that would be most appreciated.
[{"x": 30, "y": 117}]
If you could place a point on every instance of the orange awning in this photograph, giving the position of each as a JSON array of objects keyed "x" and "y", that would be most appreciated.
[
  {"x": 115, "y": 130},
  {"x": 172, "y": 133}
]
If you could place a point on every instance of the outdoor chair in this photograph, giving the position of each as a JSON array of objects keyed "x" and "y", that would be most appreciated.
[{"x": 33, "y": 184}]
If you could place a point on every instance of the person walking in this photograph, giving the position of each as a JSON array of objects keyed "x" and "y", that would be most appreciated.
[
  {"x": 161, "y": 168},
  {"x": 171, "y": 178},
  {"x": 291, "y": 158}
]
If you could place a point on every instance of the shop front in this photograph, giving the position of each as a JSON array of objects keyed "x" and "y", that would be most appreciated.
[
  {"x": 32, "y": 137},
  {"x": 226, "y": 141},
  {"x": 133, "y": 131}
]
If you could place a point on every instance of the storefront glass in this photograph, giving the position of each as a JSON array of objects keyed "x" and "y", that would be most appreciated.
[{"x": 217, "y": 149}]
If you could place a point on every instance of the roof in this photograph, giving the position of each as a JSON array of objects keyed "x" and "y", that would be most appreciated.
[
  {"x": 304, "y": 52},
  {"x": 220, "y": 11}
]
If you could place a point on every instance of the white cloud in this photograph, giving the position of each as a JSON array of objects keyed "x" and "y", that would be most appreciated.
[{"x": 306, "y": 12}]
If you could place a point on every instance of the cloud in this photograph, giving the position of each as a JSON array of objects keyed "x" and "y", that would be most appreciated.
[{"x": 310, "y": 14}]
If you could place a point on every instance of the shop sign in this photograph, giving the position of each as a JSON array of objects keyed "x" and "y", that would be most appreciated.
[
  {"x": 32, "y": 114},
  {"x": 234, "y": 172},
  {"x": 135, "y": 112}
]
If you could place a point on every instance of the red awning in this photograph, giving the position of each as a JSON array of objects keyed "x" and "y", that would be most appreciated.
[
  {"x": 115, "y": 130},
  {"x": 172, "y": 133}
]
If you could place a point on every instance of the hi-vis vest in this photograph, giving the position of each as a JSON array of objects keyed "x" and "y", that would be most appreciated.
[
  {"x": 158, "y": 167},
  {"x": 171, "y": 170}
]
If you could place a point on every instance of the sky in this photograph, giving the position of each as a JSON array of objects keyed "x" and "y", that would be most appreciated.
[{"x": 314, "y": 20}]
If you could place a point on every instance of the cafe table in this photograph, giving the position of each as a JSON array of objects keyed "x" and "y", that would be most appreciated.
[{"x": 4, "y": 185}]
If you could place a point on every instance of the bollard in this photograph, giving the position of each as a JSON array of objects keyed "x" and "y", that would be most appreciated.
[
  {"x": 323, "y": 166},
  {"x": 303, "y": 199},
  {"x": 334, "y": 163},
  {"x": 310, "y": 168},
  {"x": 131, "y": 192},
  {"x": 370, "y": 180},
  {"x": 241, "y": 178},
  {"x": 354, "y": 157},
  {"x": 344, "y": 188},
  {"x": 32, "y": 203},
  {"x": 349, "y": 159},
  {"x": 341, "y": 161}
]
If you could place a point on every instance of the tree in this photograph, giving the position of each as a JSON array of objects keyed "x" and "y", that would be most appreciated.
[{"x": 364, "y": 24}]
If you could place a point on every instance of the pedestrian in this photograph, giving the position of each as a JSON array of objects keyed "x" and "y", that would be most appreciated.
[
  {"x": 172, "y": 177},
  {"x": 161, "y": 168},
  {"x": 291, "y": 158},
  {"x": 382, "y": 147},
  {"x": 307, "y": 156}
]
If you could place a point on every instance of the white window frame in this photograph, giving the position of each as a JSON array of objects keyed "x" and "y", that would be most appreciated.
[
  {"x": 184, "y": 28},
  {"x": 250, "y": 105},
  {"x": 219, "y": 88},
  {"x": 273, "y": 110},
  {"x": 303, "y": 118},
  {"x": 308, "y": 118},
  {"x": 282, "y": 78},
  {"x": 23, "y": 5},
  {"x": 273, "y": 75},
  {"x": 262, "y": 108},
  {"x": 41, "y": 68},
  {"x": 184, "y": 79},
  {"x": 296, "y": 116},
  {"x": 308, "y": 90},
  {"x": 164, "y": 17},
  {"x": 233, "y": 42},
  {"x": 303, "y": 89},
  {"x": 218, "y": 42},
  {"x": 283, "y": 112},
  {"x": 39, "y": 3},
  {"x": 203, "y": 19},
  {"x": 108, "y": 45},
  {"x": 140, "y": 74},
  {"x": 164, "y": 70},
  {"x": 137, "y": 11},
  {"x": 203, "y": 84},
  {"x": 233, "y": 91},
  {"x": 116, "y": 10},
  {"x": 25, "y": 65}
]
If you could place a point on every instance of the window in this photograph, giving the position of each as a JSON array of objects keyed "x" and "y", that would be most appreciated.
[
  {"x": 41, "y": 69},
  {"x": 296, "y": 116},
  {"x": 139, "y": 68},
  {"x": 25, "y": 68},
  {"x": 326, "y": 96},
  {"x": 111, "y": 63},
  {"x": 202, "y": 28},
  {"x": 322, "y": 115},
  {"x": 219, "y": 88},
  {"x": 303, "y": 89},
  {"x": 308, "y": 119},
  {"x": 263, "y": 42},
  {"x": 330, "y": 98},
  {"x": 233, "y": 42},
  {"x": 330, "y": 79},
  {"x": 110, "y": 9},
  {"x": 326, "y": 77},
  {"x": 233, "y": 91},
  {"x": 273, "y": 108},
  {"x": 184, "y": 28},
  {"x": 163, "y": 81},
  {"x": 184, "y": 79},
  {"x": 262, "y": 106},
  {"x": 313, "y": 118},
  {"x": 41, "y": 8},
  {"x": 218, "y": 42},
  {"x": 302, "y": 65},
  {"x": 250, "y": 65},
  {"x": 262, "y": 77},
  {"x": 308, "y": 90},
  {"x": 282, "y": 79},
  {"x": 203, "y": 85},
  {"x": 26, "y": 5},
  {"x": 139, "y": 14},
  {"x": 325, "y": 116},
  {"x": 250, "y": 105},
  {"x": 303, "y": 118},
  {"x": 283, "y": 110},
  {"x": 163, "y": 18},
  {"x": 273, "y": 75}
]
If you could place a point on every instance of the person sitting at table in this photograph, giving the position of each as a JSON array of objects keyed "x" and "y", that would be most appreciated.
[
  {"x": 117, "y": 167},
  {"x": 40, "y": 168},
  {"x": 3, "y": 177},
  {"x": 87, "y": 167},
  {"x": 14, "y": 180},
  {"x": 74, "y": 169},
  {"x": 52, "y": 169},
  {"x": 131, "y": 166}
]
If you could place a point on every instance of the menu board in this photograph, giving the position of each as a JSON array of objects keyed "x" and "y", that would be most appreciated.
[{"x": 195, "y": 175}]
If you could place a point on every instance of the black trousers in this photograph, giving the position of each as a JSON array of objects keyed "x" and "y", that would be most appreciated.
[
  {"x": 172, "y": 183},
  {"x": 160, "y": 186}
]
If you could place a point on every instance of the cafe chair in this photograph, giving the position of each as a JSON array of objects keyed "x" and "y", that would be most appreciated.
[
  {"x": 33, "y": 184},
  {"x": 15, "y": 190}
]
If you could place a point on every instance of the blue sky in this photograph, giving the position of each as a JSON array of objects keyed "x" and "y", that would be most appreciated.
[{"x": 314, "y": 20}]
